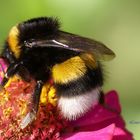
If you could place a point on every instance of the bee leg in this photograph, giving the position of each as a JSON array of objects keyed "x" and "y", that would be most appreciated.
[
  {"x": 35, "y": 104},
  {"x": 12, "y": 69},
  {"x": 36, "y": 95},
  {"x": 102, "y": 98}
]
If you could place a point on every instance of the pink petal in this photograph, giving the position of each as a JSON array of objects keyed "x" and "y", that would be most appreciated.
[
  {"x": 112, "y": 99},
  {"x": 120, "y": 134},
  {"x": 102, "y": 134},
  {"x": 101, "y": 116},
  {"x": 3, "y": 66},
  {"x": 97, "y": 116}
]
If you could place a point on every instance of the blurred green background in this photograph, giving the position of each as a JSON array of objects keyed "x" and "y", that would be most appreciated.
[{"x": 115, "y": 23}]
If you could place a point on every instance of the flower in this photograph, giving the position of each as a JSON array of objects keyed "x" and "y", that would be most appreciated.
[
  {"x": 15, "y": 102},
  {"x": 104, "y": 122}
]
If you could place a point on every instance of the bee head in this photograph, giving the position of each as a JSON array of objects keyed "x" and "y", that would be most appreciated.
[{"x": 35, "y": 29}]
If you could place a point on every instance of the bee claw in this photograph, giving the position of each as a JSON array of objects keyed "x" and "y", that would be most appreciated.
[{"x": 28, "y": 119}]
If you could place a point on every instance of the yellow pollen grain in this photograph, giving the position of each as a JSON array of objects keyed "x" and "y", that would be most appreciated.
[
  {"x": 52, "y": 96},
  {"x": 7, "y": 111},
  {"x": 43, "y": 97},
  {"x": 48, "y": 95},
  {"x": 22, "y": 106},
  {"x": 14, "y": 78}
]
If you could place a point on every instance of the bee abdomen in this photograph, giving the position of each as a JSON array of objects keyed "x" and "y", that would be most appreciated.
[
  {"x": 79, "y": 96},
  {"x": 76, "y": 106},
  {"x": 91, "y": 79}
]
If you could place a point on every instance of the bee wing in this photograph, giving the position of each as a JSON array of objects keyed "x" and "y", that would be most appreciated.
[
  {"x": 82, "y": 44},
  {"x": 75, "y": 43}
]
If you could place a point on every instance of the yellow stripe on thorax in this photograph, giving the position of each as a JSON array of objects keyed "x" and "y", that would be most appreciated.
[
  {"x": 13, "y": 41},
  {"x": 69, "y": 70}
]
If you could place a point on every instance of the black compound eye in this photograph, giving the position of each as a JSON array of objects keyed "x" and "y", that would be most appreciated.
[{"x": 28, "y": 44}]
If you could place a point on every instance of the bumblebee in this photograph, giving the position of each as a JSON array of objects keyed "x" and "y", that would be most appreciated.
[{"x": 38, "y": 48}]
